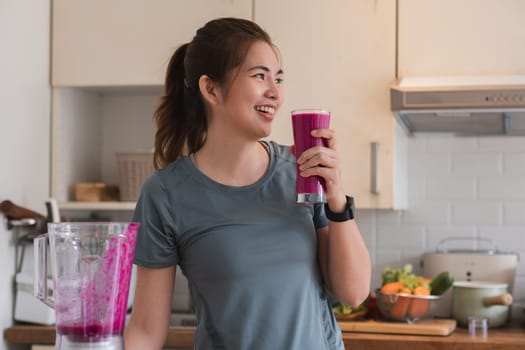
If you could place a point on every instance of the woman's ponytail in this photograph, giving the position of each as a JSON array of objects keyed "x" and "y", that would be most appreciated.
[{"x": 170, "y": 114}]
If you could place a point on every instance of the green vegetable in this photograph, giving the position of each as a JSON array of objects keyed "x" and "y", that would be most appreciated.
[
  {"x": 405, "y": 275},
  {"x": 441, "y": 283},
  {"x": 346, "y": 310},
  {"x": 343, "y": 309},
  {"x": 394, "y": 275}
]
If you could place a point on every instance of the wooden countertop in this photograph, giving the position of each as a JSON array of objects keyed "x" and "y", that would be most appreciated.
[{"x": 508, "y": 338}]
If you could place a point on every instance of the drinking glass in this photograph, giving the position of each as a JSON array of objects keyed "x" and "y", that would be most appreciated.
[{"x": 309, "y": 189}]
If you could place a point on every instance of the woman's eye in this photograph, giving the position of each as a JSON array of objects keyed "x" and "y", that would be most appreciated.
[
  {"x": 259, "y": 76},
  {"x": 279, "y": 80}
]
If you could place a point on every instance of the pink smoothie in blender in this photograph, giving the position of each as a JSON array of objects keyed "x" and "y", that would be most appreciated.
[{"x": 91, "y": 265}]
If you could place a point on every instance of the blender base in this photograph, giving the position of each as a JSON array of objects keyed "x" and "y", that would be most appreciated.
[{"x": 64, "y": 342}]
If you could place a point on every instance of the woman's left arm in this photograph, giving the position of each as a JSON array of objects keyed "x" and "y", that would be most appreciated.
[{"x": 343, "y": 255}]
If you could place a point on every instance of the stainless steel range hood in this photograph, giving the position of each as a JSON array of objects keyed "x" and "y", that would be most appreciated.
[{"x": 491, "y": 105}]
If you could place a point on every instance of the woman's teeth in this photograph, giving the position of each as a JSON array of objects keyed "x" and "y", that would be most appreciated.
[{"x": 265, "y": 109}]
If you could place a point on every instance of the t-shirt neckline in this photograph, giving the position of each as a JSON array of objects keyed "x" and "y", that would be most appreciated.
[{"x": 206, "y": 180}]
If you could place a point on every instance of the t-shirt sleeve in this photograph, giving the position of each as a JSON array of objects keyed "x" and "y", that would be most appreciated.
[
  {"x": 320, "y": 219},
  {"x": 156, "y": 245}
]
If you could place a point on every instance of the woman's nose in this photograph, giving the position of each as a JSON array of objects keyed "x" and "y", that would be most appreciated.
[{"x": 273, "y": 91}]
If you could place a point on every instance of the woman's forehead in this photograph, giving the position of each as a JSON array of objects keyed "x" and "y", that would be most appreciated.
[{"x": 261, "y": 54}]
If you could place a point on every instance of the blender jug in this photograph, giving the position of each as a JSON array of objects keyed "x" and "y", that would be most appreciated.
[{"x": 91, "y": 265}]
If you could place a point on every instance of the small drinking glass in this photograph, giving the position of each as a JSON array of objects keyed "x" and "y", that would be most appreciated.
[{"x": 477, "y": 326}]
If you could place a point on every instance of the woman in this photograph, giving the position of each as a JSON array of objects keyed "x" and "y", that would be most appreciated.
[{"x": 222, "y": 206}]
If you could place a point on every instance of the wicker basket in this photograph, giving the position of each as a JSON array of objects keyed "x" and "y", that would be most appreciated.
[{"x": 133, "y": 169}]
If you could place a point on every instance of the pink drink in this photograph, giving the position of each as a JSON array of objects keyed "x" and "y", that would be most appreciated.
[
  {"x": 84, "y": 333},
  {"x": 92, "y": 308},
  {"x": 309, "y": 189}
]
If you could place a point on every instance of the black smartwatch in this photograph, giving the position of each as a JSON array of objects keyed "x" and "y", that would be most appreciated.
[{"x": 347, "y": 214}]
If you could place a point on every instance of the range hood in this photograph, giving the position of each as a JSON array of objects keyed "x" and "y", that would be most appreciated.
[{"x": 489, "y": 105}]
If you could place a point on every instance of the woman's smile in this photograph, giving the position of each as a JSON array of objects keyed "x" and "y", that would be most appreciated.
[{"x": 266, "y": 111}]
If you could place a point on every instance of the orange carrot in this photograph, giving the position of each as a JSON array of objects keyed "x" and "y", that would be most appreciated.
[
  {"x": 424, "y": 281},
  {"x": 399, "y": 309},
  {"x": 392, "y": 287},
  {"x": 421, "y": 290},
  {"x": 419, "y": 307}
]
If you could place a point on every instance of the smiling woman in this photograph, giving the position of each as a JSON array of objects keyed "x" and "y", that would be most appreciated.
[
  {"x": 222, "y": 207},
  {"x": 246, "y": 106}
]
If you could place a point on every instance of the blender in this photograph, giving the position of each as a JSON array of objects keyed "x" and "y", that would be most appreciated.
[{"x": 91, "y": 265}]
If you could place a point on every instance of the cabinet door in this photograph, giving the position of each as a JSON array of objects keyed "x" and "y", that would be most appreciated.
[
  {"x": 468, "y": 37},
  {"x": 126, "y": 42},
  {"x": 340, "y": 55}
]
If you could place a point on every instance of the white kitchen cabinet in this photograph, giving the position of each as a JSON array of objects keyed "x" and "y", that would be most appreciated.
[
  {"x": 126, "y": 42},
  {"x": 468, "y": 37},
  {"x": 340, "y": 55}
]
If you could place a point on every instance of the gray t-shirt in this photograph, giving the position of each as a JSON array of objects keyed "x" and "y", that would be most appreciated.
[{"x": 249, "y": 254}]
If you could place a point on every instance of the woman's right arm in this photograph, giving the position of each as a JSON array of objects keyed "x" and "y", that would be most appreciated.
[{"x": 150, "y": 315}]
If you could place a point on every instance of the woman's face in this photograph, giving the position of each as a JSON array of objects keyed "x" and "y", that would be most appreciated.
[{"x": 251, "y": 99}]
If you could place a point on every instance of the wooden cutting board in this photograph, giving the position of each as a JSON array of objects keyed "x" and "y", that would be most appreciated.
[{"x": 440, "y": 327}]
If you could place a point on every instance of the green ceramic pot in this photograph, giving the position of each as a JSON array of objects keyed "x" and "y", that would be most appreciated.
[{"x": 481, "y": 299}]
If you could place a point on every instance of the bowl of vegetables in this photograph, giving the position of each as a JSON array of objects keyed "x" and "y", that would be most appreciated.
[{"x": 407, "y": 297}]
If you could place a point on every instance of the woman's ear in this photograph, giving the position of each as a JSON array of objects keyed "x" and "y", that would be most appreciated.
[{"x": 209, "y": 90}]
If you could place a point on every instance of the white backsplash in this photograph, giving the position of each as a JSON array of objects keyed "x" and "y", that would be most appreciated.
[{"x": 458, "y": 187}]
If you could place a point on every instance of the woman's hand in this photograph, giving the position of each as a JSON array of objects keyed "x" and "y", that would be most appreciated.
[{"x": 325, "y": 162}]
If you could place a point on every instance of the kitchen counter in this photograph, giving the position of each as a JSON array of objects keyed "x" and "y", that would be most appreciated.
[{"x": 508, "y": 338}]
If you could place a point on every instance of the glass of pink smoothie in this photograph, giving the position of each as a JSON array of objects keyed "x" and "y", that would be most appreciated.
[{"x": 309, "y": 189}]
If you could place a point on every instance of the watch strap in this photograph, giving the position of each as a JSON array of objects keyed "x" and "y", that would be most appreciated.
[{"x": 347, "y": 214}]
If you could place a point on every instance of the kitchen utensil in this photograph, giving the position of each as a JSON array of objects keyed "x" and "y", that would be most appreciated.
[
  {"x": 91, "y": 270},
  {"x": 20, "y": 217},
  {"x": 406, "y": 307},
  {"x": 437, "y": 327},
  {"x": 485, "y": 263},
  {"x": 15, "y": 211},
  {"x": 480, "y": 299}
]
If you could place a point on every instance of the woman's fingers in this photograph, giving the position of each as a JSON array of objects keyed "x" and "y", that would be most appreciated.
[
  {"x": 319, "y": 160},
  {"x": 318, "y": 156},
  {"x": 327, "y": 134}
]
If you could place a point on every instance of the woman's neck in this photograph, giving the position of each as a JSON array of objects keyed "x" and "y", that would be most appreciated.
[{"x": 232, "y": 163}]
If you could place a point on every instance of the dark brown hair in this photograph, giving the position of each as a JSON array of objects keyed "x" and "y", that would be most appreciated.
[{"x": 216, "y": 50}]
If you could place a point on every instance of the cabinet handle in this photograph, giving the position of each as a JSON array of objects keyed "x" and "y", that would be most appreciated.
[{"x": 374, "y": 149}]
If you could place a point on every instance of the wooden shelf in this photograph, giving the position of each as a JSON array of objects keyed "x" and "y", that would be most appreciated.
[{"x": 97, "y": 205}]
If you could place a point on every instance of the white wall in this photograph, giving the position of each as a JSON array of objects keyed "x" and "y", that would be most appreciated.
[
  {"x": 458, "y": 187},
  {"x": 24, "y": 123}
]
